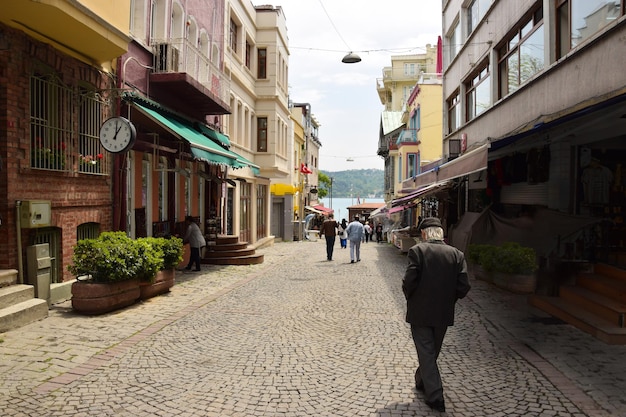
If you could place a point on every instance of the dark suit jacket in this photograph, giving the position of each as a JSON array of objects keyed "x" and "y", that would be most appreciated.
[{"x": 434, "y": 279}]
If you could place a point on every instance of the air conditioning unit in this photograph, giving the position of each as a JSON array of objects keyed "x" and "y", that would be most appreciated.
[
  {"x": 35, "y": 213},
  {"x": 168, "y": 58}
]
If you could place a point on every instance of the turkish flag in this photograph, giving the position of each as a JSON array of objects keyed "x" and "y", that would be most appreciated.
[{"x": 305, "y": 169}]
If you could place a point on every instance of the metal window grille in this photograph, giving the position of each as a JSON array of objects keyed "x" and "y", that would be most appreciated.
[
  {"x": 56, "y": 144},
  {"x": 261, "y": 201},
  {"x": 87, "y": 231}
]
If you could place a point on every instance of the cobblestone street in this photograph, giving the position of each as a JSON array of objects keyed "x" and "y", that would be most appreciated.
[{"x": 302, "y": 336}]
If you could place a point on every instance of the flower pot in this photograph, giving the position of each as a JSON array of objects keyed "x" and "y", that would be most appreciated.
[
  {"x": 98, "y": 298},
  {"x": 163, "y": 281},
  {"x": 517, "y": 283}
]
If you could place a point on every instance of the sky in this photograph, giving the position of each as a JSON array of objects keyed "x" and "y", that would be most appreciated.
[{"x": 343, "y": 97}]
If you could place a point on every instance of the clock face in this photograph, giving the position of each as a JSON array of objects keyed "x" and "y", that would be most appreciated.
[{"x": 117, "y": 134}]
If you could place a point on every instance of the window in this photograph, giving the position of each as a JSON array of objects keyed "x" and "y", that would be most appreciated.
[
  {"x": 248, "y": 52},
  {"x": 475, "y": 13},
  {"x": 262, "y": 63},
  {"x": 400, "y": 169},
  {"x": 522, "y": 54},
  {"x": 578, "y": 20},
  {"x": 409, "y": 69},
  {"x": 454, "y": 41},
  {"x": 261, "y": 134},
  {"x": 87, "y": 231},
  {"x": 478, "y": 92},
  {"x": 233, "y": 36},
  {"x": 245, "y": 211},
  {"x": 261, "y": 203},
  {"x": 454, "y": 112},
  {"x": 411, "y": 165},
  {"x": 59, "y": 115}
]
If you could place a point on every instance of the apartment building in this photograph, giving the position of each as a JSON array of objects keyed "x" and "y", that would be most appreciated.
[
  {"x": 539, "y": 88},
  {"x": 56, "y": 88}
]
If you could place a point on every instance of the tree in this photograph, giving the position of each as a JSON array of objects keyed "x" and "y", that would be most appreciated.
[{"x": 324, "y": 184}]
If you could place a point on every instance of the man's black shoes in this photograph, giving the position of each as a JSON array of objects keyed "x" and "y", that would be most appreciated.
[{"x": 438, "y": 405}]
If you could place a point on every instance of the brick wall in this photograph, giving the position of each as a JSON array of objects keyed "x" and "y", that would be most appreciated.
[{"x": 75, "y": 198}]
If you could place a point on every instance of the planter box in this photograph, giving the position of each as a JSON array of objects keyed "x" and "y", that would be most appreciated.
[
  {"x": 518, "y": 283},
  {"x": 163, "y": 281},
  {"x": 478, "y": 272},
  {"x": 99, "y": 298}
]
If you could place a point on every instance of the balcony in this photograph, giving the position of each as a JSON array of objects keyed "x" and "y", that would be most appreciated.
[
  {"x": 102, "y": 26},
  {"x": 407, "y": 136},
  {"x": 184, "y": 77}
]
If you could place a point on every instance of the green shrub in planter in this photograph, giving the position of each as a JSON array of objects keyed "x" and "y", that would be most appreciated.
[
  {"x": 111, "y": 257},
  {"x": 512, "y": 258},
  {"x": 172, "y": 249},
  {"x": 151, "y": 255}
]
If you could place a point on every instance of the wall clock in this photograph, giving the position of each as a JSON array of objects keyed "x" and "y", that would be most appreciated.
[{"x": 117, "y": 134}]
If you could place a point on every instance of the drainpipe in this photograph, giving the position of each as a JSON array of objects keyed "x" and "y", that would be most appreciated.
[{"x": 18, "y": 223}]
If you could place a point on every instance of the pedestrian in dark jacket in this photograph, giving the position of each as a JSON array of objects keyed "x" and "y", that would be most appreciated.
[
  {"x": 329, "y": 231},
  {"x": 435, "y": 278}
]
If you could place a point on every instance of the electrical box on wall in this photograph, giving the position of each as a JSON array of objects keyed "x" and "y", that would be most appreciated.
[{"x": 35, "y": 213}]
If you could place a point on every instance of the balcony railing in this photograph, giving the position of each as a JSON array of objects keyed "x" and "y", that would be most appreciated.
[
  {"x": 180, "y": 55},
  {"x": 407, "y": 135}
]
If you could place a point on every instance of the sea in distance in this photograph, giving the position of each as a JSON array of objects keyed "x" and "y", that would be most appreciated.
[{"x": 340, "y": 205}]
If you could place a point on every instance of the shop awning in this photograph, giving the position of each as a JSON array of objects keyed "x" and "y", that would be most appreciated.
[
  {"x": 398, "y": 208},
  {"x": 282, "y": 189},
  {"x": 323, "y": 209},
  {"x": 202, "y": 147},
  {"x": 422, "y": 192},
  {"x": 468, "y": 163}
]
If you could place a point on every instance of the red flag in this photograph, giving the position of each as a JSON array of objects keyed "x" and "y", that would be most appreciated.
[
  {"x": 305, "y": 169},
  {"x": 439, "y": 69}
]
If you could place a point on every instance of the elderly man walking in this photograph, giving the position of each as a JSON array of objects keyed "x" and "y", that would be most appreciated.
[
  {"x": 355, "y": 233},
  {"x": 435, "y": 278},
  {"x": 329, "y": 230}
]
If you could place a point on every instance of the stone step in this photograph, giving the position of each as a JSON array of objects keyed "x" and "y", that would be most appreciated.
[
  {"x": 15, "y": 294},
  {"x": 579, "y": 317},
  {"x": 8, "y": 277},
  {"x": 228, "y": 253},
  {"x": 607, "y": 286},
  {"x": 218, "y": 247},
  {"x": 238, "y": 260},
  {"x": 610, "y": 271},
  {"x": 595, "y": 303},
  {"x": 20, "y": 314}
]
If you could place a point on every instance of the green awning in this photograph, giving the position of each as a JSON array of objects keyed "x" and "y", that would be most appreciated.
[
  {"x": 202, "y": 147},
  {"x": 215, "y": 135}
]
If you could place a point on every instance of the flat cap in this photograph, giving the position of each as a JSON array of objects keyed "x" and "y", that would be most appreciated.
[{"x": 429, "y": 222}]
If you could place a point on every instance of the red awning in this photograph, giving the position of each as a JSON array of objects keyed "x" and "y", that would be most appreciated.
[{"x": 323, "y": 209}]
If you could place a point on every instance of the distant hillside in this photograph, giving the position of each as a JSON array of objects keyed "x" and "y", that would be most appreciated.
[{"x": 357, "y": 183}]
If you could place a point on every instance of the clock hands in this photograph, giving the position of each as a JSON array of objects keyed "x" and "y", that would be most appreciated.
[{"x": 118, "y": 127}]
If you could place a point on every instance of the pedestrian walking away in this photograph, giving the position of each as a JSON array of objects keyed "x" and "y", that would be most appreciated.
[
  {"x": 329, "y": 230},
  {"x": 379, "y": 232},
  {"x": 368, "y": 231},
  {"x": 196, "y": 241},
  {"x": 435, "y": 278},
  {"x": 355, "y": 233},
  {"x": 343, "y": 235}
]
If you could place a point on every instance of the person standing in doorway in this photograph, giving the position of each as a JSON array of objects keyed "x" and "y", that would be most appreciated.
[
  {"x": 435, "y": 278},
  {"x": 196, "y": 241},
  {"x": 355, "y": 234},
  {"x": 329, "y": 230}
]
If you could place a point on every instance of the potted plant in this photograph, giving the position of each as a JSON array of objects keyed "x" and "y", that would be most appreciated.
[
  {"x": 107, "y": 270},
  {"x": 163, "y": 255},
  {"x": 480, "y": 260},
  {"x": 515, "y": 268}
]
